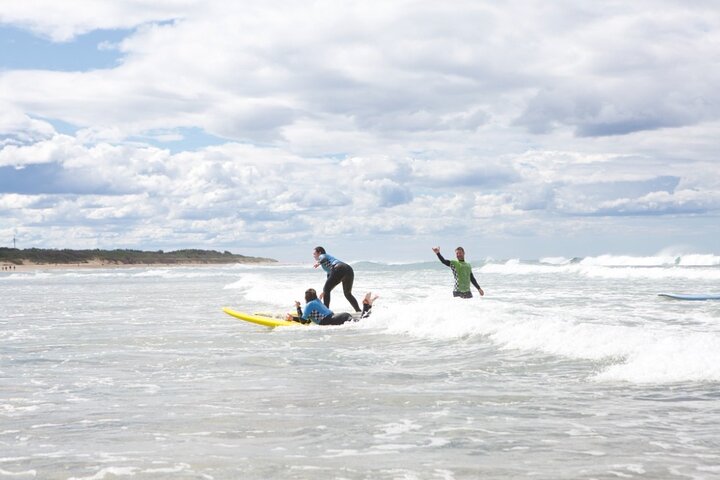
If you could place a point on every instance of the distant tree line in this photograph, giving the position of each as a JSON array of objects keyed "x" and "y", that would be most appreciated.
[{"x": 121, "y": 257}]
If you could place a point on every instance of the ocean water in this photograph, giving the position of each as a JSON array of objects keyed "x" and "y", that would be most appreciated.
[{"x": 566, "y": 369}]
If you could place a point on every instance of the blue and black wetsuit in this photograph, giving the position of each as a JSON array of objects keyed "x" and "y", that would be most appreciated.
[
  {"x": 318, "y": 313},
  {"x": 337, "y": 272}
]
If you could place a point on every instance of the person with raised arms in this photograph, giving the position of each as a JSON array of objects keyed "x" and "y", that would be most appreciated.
[{"x": 462, "y": 271}]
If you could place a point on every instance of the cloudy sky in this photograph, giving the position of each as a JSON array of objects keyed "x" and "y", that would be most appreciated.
[{"x": 519, "y": 129}]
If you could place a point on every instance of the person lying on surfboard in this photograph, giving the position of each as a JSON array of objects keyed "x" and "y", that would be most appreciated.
[
  {"x": 316, "y": 312},
  {"x": 337, "y": 272}
]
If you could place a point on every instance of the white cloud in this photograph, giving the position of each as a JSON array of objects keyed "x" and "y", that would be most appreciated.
[
  {"x": 62, "y": 22},
  {"x": 244, "y": 73},
  {"x": 345, "y": 119},
  {"x": 17, "y": 128}
]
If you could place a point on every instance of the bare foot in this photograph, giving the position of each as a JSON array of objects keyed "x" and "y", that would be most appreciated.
[{"x": 369, "y": 299}]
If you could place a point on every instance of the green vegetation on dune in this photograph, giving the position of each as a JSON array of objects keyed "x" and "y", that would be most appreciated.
[{"x": 121, "y": 257}]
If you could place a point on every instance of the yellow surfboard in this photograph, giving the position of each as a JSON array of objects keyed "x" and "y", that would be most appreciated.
[{"x": 258, "y": 319}]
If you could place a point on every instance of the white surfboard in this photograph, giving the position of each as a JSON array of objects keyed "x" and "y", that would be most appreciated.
[{"x": 679, "y": 296}]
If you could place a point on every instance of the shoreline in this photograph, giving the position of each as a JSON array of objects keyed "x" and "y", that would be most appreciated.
[{"x": 26, "y": 267}]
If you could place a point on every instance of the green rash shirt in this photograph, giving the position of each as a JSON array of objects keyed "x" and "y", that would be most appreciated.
[{"x": 461, "y": 272}]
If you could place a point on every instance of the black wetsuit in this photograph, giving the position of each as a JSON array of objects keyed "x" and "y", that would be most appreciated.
[{"x": 337, "y": 272}]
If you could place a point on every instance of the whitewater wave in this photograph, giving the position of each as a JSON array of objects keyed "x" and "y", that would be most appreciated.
[
  {"x": 638, "y": 354},
  {"x": 669, "y": 358},
  {"x": 555, "y": 260},
  {"x": 516, "y": 265},
  {"x": 277, "y": 292},
  {"x": 700, "y": 260},
  {"x": 697, "y": 267}
]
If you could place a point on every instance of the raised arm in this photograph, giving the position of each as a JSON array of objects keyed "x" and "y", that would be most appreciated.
[{"x": 440, "y": 257}]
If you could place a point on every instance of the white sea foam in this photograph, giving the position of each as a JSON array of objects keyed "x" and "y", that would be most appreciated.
[
  {"x": 515, "y": 267},
  {"x": 25, "y": 276},
  {"x": 27, "y": 473},
  {"x": 698, "y": 273},
  {"x": 699, "y": 260},
  {"x": 168, "y": 273},
  {"x": 555, "y": 260},
  {"x": 661, "y": 260},
  {"x": 273, "y": 289},
  {"x": 245, "y": 282},
  {"x": 111, "y": 472},
  {"x": 138, "y": 359},
  {"x": 265, "y": 267},
  {"x": 637, "y": 353},
  {"x": 629, "y": 261},
  {"x": 395, "y": 430},
  {"x": 669, "y": 358},
  {"x": 440, "y": 319}
]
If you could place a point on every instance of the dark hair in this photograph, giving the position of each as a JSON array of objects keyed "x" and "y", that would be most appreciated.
[
  {"x": 320, "y": 250},
  {"x": 460, "y": 248},
  {"x": 310, "y": 295}
]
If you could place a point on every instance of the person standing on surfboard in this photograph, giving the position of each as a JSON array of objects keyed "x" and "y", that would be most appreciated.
[
  {"x": 462, "y": 271},
  {"x": 337, "y": 272},
  {"x": 318, "y": 313}
]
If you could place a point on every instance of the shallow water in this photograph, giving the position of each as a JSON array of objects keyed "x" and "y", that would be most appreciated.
[{"x": 564, "y": 370}]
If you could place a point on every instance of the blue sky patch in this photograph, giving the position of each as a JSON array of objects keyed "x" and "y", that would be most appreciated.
[
  {"x": 180, "y": 139},
  {"x": 21, "y": 50},
  {"x": 47, "y": 178},
  {"x": 61, "y": 126}
]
